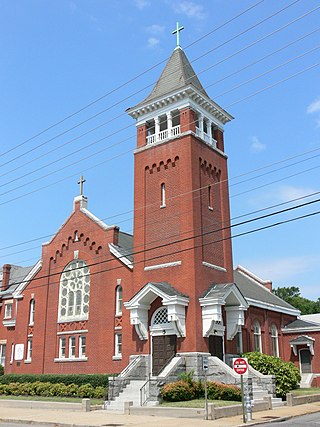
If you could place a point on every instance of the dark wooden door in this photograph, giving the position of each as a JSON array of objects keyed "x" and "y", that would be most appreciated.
[
  {"x": 216, "y": 346},
  {"x": 305, "y": 360},
  {"x": 163, "y": 348}
]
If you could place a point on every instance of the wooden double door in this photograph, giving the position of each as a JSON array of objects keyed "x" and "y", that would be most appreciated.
[
  {"x": 216, "y": 346},
  {"x": 164, "y": 347}
]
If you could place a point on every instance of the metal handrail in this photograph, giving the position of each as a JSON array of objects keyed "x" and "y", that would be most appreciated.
[
  {"x": 142, "y": 390},
  {"x": 130, "y": 366}
]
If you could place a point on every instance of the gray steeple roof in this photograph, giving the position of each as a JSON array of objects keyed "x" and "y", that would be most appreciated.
[{"x": 177, "y": 73}]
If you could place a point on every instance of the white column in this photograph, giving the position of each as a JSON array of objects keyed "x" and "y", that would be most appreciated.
[
  {"x": 209, "y": 131},
  {"x": 201, "y": 125},
  {"x": 156, "y": 127},
  {"x": 169, "y": 122}
]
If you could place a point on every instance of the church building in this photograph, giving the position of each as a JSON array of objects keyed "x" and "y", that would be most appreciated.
[{"x": 98, "y": 297}]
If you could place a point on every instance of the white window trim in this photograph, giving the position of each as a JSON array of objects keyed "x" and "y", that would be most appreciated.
[
  {"x": 29, "y": 350},
  {"x": 118, "y": 309},
  {"x": 61, "y": 356},
  {"x": 257, "y": 334},
  {"x": 117, "y": 353},
  {"x": 81, "y": 354},
  {"x": 71, "y": 356},
  {"x": 6, "y": 308},
  {"x": 275, "y": 337},
  {"x": 163, "y": 195},
  {"x": 31, "y": 313}
]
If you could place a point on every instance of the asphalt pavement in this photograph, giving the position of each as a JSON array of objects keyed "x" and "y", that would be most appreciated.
[{"x": 68, "y": 418}]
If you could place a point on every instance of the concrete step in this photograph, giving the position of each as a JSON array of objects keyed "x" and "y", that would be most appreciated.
[{"x": 129, "y": 394}]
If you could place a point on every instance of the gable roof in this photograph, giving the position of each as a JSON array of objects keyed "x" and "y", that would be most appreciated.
[
  {"x": 301, "y": 324},
  {"x": 257, "y": 294},
  {"x": 17, "y": 275}
]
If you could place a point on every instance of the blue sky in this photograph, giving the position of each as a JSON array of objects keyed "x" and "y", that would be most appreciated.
[{"x": 58, "y": 57}]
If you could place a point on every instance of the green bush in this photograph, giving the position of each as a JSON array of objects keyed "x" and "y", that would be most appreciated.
[
  {"x": 178, "y": 391},
  {"x": 1, "y": 370},
  {"x": 187, "y": 389},
  {"x": 47, "y": 389},
  {"x": 286, "y": 373},
  {"x": 96, "y": 380}
]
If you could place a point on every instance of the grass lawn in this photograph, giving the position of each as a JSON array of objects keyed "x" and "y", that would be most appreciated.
[
  {"x": 51, "y": 399},
  {"x": 198, "y": 403},
  {"x": 304, "y": 391}
]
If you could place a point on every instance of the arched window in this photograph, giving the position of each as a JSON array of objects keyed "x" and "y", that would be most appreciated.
[
  {"x": 274, "y": 341},
  {"x": 31, "y": 311},
  {"x": 257, "y": 346},
  {"x": 163, "y": 195},
  {"x": 210, "y": 203},
  {"x": 74, "y": 292},
  {"x": 160, "y": 317},
  {"x": 119, "y": 300}
]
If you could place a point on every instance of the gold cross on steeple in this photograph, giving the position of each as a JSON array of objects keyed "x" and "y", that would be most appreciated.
[
  {"x": 177, "y": 31},
  {"x": 81, "y": 182}
]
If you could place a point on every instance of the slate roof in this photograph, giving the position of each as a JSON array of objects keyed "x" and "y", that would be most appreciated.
[
  {"x": 251, "y": 289},
  {"x": 217, "y": 290},
  {"x": 177, "y": 74},
  {"x": 299, "y": 323},
  {"x": 167, "y": 288},
  {"x": 125, "y": 245},
  {"x": 17, "y": 274},
  {"x": 302, "y": 339}
]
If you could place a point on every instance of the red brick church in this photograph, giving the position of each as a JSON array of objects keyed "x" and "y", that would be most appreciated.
[{"x": 99, "y": 296}]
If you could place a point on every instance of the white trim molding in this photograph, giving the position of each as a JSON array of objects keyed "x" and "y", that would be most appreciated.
[
  {"x": 114, "y": 251},
  {"x": 165, "y": 265},
  {"x": 24, "y": 283},
  {"x": 140, "y": 304},
  {"x": 215, "y": 267}
]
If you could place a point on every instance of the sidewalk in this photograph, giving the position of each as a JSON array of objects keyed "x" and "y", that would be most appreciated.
[{"x": 66, "y": 418}]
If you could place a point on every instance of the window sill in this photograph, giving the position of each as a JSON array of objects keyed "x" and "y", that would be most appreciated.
[
  {"x": 70, "y": 359},
  {"x": 27, "y": 361},
  {"x": 210, "y": 208},
  {"x": 117, "y": 357},
  {"x": 162, "y": 206},
  {"x": 9, "y": 322}
]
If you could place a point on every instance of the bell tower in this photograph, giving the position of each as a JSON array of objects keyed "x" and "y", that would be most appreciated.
[{"x": 181, "y": 200}]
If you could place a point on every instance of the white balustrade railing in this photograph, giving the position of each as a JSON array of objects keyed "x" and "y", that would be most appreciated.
[
  {"x": 151, "y": 138},
  {"x": 163, "y": 135},
  {"x": 175, "y": 130}
]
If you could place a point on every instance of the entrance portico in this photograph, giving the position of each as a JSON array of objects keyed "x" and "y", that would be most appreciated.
[{"x": 167, "y": 322}]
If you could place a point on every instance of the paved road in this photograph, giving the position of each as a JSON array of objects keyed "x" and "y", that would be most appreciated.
[
  {"x": 19, "y": 425},
  {"x": 311, "y": 420}
]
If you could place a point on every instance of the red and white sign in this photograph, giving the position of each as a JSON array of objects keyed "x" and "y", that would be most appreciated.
[{"x": 240, "y": 365}]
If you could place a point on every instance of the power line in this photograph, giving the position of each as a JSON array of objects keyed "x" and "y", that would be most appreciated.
[
  {"x": 126, "y": 83},
  {"x": 188, "y": 239},
  {"x": 103, "y": 124}
]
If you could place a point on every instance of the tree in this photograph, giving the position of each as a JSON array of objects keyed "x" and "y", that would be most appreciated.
[{"x": 293, "y": 296}]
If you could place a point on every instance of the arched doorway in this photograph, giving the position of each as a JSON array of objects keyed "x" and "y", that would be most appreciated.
[{"x": 163, "y": 340}]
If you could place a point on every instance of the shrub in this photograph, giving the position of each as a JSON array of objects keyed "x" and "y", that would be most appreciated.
[
  {"x": 1, "y": 370},
  {"x": 177, "y": 391},
  {"x": 47, "y": 389},
  {"x": 286, "y": 373},
  {"x": 96, "y": 380},
  {"x": 187, "y": 390}
]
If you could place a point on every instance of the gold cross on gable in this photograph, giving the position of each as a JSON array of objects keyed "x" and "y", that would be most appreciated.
[
  {"x": 81, "y": 182},
  {"x": 177, "y": 31}
]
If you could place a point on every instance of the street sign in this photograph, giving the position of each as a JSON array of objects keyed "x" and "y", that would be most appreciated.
[
  {"x": 205, "y": 363},
  {"x": 240, "y": 365}
]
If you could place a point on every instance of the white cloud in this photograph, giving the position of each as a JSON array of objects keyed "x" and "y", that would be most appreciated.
[
  {"x": 288, "y": 192},
  {"x": 190, "y": 9},
  {"x": 314, "y": 107},
  {"x": 257, "y": 145},
  {"x": 155, "y": 29},
  {"x": 284, "y": 270},
  {"x": 142, "y": 4},
  {"x": 152, "y": 42}
]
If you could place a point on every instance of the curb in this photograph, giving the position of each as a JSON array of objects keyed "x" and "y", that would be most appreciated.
[{"x": 46, "y": 423}]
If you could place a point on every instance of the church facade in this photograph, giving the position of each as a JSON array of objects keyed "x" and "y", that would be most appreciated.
[{"x": 98, "y": 295}]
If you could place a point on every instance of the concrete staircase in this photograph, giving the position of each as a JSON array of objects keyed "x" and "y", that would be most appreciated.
[{"x": 130, "y": 393}]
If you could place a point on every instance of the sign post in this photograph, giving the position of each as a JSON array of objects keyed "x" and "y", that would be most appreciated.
[
  {"x": 240, "y": 367},
  {"x": 205, "y": 366}
]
